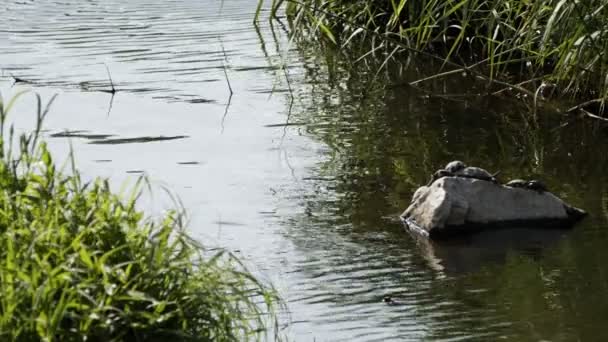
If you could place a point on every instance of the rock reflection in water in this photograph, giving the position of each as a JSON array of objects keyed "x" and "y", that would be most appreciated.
[{"x": 469, "y": 253}]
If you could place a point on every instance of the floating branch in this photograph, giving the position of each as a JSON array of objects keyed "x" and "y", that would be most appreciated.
[
  {"x": 20, "y": 80},
  {"x": 227, "y": 82},
  {"x": 224, "y": 68},
  {"x": 113, "y": 90}
]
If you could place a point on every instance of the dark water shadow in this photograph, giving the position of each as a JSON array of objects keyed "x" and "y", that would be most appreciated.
[
  {"x": 468, "y": 254},
  {"x": 83, "y": 134},
  {"x": 136, "y": 140}
]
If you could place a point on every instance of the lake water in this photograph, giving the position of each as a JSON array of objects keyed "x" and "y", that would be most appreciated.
[{"x": 303, "y": 170}]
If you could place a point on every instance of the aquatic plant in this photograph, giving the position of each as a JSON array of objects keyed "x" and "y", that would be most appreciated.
[
  {"x": 540, "y": 48},
  {"x": 79, "y": 262}
]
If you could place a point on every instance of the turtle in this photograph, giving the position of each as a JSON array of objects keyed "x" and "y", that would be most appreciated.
[
  {"x": 390, "y": 301},
  {"x": 438, "y": 174},
  {"x": 517, "y": 183},
  {"x": 455, "y": 166},
  {"x": 536, "y": 185},
  {"x": 477, "y": 173}
]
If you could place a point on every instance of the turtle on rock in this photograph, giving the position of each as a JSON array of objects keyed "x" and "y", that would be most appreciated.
[
  {"x": 438, "y": 174},
  {"x": 536, "y": 185},
  {"x": 477, "y": 173},
  {"x": 460, "y": 169},
  {"x": 455, "y": 166},
  {"x": 517, "y": 183}
]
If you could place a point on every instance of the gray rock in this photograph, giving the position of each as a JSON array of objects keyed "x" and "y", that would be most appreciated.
[{"x": 457, "y": 205}]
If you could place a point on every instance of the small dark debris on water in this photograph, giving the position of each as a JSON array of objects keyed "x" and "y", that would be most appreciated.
[
  {"x": 188, "y": 163},
  {"x": 80, "y": 134},
  {"x": 251, "y": 68},
  {"x": 185, "y": 98},
  {"x": 286, "y": 124},
  {"x": 135, "y": 171},
  {"x": 195, "y": 101},
  {"x": 63, "y": 134},
  {"x": 325, "y": 179},
  {"x": 272, "y": 91},
  {"x": 388, "y": 300},
  {"x": 102, "y": 160},
  {"x": 228, "y": 223},
  {"x": 135, "y": 140},
  {"x": 148, "y": 90},
  {"x": 21, "y": 80}
]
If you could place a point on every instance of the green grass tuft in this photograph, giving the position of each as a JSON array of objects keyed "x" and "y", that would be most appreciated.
[
  {"x": 78, "y": 262},
  {"x": 562, "y": 44}
]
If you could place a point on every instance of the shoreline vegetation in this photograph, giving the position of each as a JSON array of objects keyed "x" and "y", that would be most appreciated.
[
  {"x": 539, "y": 51},
  {"x": 79, "y": 262}
]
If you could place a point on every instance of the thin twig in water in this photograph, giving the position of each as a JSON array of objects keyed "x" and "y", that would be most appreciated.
[
  {"x": 226, "y": 111},
  {"x": 506, "y": 84},
  {"x": 224, "y": 67},
  {"x": 291, "y": 101},
  {"x": 447, "y": 73},
  {"x": 19, "y": 80},
  {"x": 113, "y": 90},
  {"x": 518, "y": 85},
  {"x": 593, "y": 116},
  {"x": 227, "y": 82},
  {"x": 110, "y": 105},
  {"x": 586, "y": 103},
  {"x": 283, "y": 67}
]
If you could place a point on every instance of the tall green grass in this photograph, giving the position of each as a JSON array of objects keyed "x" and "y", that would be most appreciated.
[
  {"x": 79, "y": 262},
  {"x": 547, "y": 47}
]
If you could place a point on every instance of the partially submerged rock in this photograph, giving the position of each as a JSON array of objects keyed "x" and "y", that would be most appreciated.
[{"x": 452, "y": 205}]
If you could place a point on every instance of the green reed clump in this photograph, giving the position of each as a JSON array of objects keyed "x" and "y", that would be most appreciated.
[
  {"x": 78, "y": 262},
  {"x": 557, "y": 47}
]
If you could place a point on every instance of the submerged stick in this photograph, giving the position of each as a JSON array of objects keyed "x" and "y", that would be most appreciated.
[
  {"x": 593, "y": 116},
  {"x": 20, "y": 80},
  {"x": 443, "y": 74},
  {"x": 586, "y": 103},
  {"x": 227, "y": 82},
  {"x": 113, "y": 90},
  {"x": 224, "y": 67}
]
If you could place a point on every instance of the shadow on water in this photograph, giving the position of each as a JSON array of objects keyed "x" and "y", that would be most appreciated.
[
  {"x": 467, "y": 254},
  {"x": 80, "y": 134},
  {"x": 106, "y": 139},
  {"x": 136, "y": 140}
]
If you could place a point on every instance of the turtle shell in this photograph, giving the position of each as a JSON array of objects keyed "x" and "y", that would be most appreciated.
[
  {"x": 536, "y": 185},
  {"x": 517, "y": 183},
  {"x": 455, "y": 166},
  {"x": 476, "y": 172}
]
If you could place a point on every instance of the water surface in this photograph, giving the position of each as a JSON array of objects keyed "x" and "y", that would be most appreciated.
[{"x": 303, "y": 169}]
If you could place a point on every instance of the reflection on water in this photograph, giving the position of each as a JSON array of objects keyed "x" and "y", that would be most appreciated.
[
  {"x": 307, "y": 184},
  {"x": 107, "y": 139},
  {"x": 104, "y": 141},
  {"x": 468, "y": 254}
]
